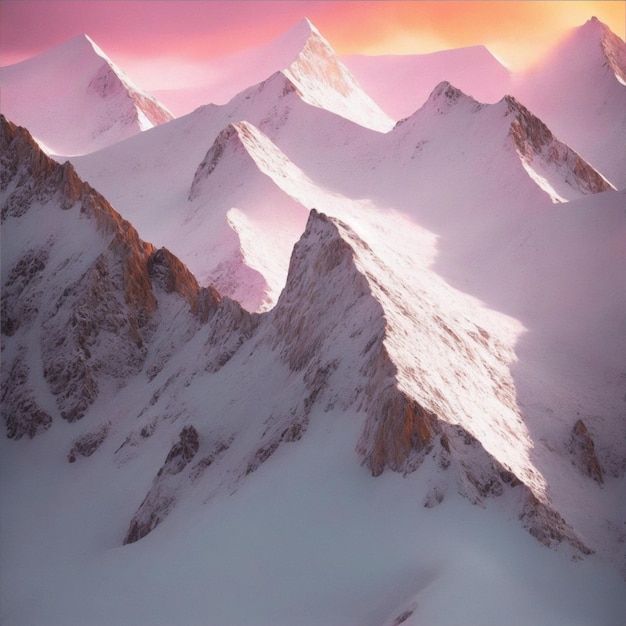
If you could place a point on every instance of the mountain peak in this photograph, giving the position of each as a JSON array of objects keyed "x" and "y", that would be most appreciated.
[
  {"x": 291, "y": 42},
  {"x": 76, "y": 80},
  {"x": 325, "y": 82},
  {"x": 595, "y": 35},
  {"x": 445, "y": 96},
  {"x": 306, "y": 26}
]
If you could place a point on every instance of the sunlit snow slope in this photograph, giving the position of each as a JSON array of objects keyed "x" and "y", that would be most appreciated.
[
  {"x": 304, "y": 56},
  {"x": 75, "y": 100}
]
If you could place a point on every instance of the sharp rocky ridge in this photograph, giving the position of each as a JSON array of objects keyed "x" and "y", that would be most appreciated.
[{"x": 105, "y": 315}]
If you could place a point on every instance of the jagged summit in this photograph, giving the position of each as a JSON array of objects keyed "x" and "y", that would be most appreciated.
[
  {"x": 322, "y": 80},
  {"x": 553, "y": 167},
  {"x": 595, "y": 38},
  {"x": 304, "y": 62},
  {"x": 446, "y": 95},
  {"x": 77, "y": 81}
]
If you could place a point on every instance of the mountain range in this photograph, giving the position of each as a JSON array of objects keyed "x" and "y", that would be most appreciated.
[{"x": 285, "y": 359}]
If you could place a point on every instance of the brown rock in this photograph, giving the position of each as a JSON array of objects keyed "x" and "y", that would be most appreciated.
[{"x": 583, "y": 452}]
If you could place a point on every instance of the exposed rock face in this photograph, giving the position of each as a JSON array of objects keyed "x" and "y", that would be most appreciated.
[
  {"x": 548, "y": 526},
  {"x": 162, "y": 495},
  {"x": 614, "y": 50},
  {"x": 82, "y": 339},
  {"x": 168, "y": 273},
  {"x": 27, "y": 175},
  {"x": 21, "y": 413},
  {"x": 87, "y": 444},
  {"x": 534, "y": 140},
  {"x": 95, "y": 325},
  {"x": 22, "y": 289},
  {"x": 98, "y": 324},
  {"x": 327, "y": 271},
  {"x": 402, "y": 428},
  {"x": 583, "y": 452}
]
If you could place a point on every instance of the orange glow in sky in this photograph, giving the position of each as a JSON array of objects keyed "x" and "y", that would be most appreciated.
[
  {"x": 516, "y": 32},
  {"x": 162, "y": 43}
]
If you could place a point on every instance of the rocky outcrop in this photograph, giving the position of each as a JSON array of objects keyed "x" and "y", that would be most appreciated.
[
  {"x": 22, "y": 289},
  {"x": 27, "y": 174},
  {"x": 91, "y": 332},
  {"x": 162, "y": 495},
  {"x": 87, "y": 444},
  {"x": 97, "y": 322},
  {"x": 402, "y": 431},
  {"x": 548, "y": 526},
  {"x": 333, "y": 269},
  {"x": 613, "y": 47},
  {"x": 534, "y": 140},
  {"x": 583, "y": 452},
  {"x": 22, "y": 414}
]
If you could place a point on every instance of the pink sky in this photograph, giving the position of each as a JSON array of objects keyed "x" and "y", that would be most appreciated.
[{"x": 159, "y": 43}]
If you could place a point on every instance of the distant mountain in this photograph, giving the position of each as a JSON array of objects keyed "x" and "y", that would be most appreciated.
[
  {"x": 75, "y": 100},
  {"x": 308, "y": 61},
  {"x": 401, "y": 84},
  {"x": 579, "y": 90}
]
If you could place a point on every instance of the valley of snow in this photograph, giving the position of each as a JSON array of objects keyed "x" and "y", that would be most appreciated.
[{"x": 401, "y": 400}]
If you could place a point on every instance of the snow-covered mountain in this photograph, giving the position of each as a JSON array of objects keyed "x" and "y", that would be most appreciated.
[
  {"x": 308, "y": 61},
  {"x": 400, "y": 401},
  {"x": 579, "y": 90},
  {"x": 75, "y": 100},
  {"x": 207, "y": 224},
  {"x": 401, "y": 84}
]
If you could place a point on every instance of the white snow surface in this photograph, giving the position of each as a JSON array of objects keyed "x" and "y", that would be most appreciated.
[{"x": 75, "y": 100}]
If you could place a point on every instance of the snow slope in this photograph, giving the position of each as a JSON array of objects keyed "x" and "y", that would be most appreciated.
[
  {"x": 75, "y": 100},
  {"x": 579, "y": 90},
  {"x": 401, "y": 84}
]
